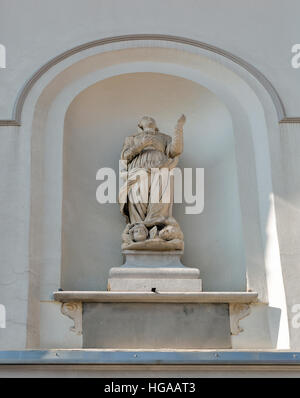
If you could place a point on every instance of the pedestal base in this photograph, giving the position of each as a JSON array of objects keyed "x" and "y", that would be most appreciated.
[
  {"x": 145, "y": 320},
  {"x": 156, "y": 325},
  {"x": 154, "y": 271}
]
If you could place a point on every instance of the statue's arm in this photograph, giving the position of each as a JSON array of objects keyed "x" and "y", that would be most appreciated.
[{"x": 176, "y": 145}]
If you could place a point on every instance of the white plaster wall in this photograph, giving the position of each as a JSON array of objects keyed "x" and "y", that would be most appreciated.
[
  {"x": 14, "y": 269},
  {"x": 229, "y": 25},
  {"x": 91, "y": 231},
  {"x": 288, "y": 203},
  {"x": 261, "y": 34}
]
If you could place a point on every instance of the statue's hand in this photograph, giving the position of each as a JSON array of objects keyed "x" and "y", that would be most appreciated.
[{"x": 181, "y": 121}]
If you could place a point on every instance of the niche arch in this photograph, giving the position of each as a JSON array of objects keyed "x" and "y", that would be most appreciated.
[{"x": 255, "y": 122}]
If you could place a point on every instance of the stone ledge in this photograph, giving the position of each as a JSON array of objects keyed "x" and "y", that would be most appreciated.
[{"x": 150, "y": 297}]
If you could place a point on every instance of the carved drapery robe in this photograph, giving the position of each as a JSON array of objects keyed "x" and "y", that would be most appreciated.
[{"x": 143, "y": 178}]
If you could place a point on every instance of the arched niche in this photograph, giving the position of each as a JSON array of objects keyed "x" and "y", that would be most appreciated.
[
  {"x": 254, "y": 124},
  {"x": 96, "y": 124}
]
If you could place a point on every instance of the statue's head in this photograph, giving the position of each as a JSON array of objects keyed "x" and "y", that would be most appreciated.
[
  {"x": 138, "y": 233},
  {"x": 147, "y": 125},
  {"x": 171, "y": 232}
]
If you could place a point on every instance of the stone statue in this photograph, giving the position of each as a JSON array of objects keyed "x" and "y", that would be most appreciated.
[{"x": 146, "y": 198}]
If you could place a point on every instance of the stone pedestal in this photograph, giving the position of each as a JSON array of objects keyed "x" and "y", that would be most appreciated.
[
  {"x": 156, "y": 325},
  {"x": 148, "y": 320},
  {"x": 146, "y": 271}
]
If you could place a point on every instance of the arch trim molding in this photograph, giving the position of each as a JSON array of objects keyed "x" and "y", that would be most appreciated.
[{"x": 17, "y": 111}]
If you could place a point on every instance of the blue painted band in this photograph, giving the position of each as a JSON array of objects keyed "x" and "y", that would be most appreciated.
[{"x": 113, "y": 357}]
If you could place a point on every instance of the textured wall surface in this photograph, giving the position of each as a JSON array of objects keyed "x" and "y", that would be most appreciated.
[{"x": 266, "y": 164}]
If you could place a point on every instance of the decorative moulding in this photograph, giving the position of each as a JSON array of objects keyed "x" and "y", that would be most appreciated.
[
  {"x": 17, "y": 111},
  {"x": 73, "y": 310},
  {"x": 237, "y": 312}
]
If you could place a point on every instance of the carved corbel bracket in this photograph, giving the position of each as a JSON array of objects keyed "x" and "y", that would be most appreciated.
[
  {"x": 237, "y": 312},
  {"x": 73, "y": 310}
]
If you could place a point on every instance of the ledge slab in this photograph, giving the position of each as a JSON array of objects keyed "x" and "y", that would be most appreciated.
[{"x": 150, "y": 297}]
